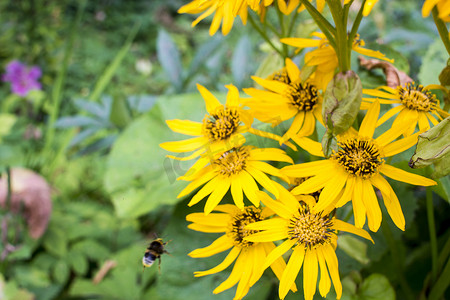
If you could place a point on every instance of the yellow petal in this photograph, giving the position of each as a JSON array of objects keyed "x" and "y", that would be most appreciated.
[
  {"x": 196, "y": 183},
  {"x": 403, "y": 176},
  {"x": 232, "y": 96},
  {"x": 400, "y": 145},
  {"x": 278, "y": 252},
  {"x": 428, "y": 6},
  {"x": 185, "y": 145},
  {"x": 314, "y": 184},
  {"x": 332, "y": 262},
  {"x": 250, "y": 188},
  {"x": 313, "y": 147},
  {"x": 217, "y": 195},
  {"x": 309, "y": 169},
  {"x": 331, "y": 190},
  {"x": 236, "y": 192},
  {"x": 372, "y": 207},
  {"x": 273, "y": 154},
  {"x": 185, "y": 127},
  {"x": 291, "y": 271},
  {"x": 348, "y": 192},
  {"x": 214, "y": 219},
  {"x": 301, "y": 42},
  {"x": 344, "y": 226},
  {"x": 369, "y": 122},
  {"x": 206, "y": 228},
  {"x": 389, "y": 114},
  {"x": 263, "y": 180},
  {"x": 325, "y": 282},
  {"x": 211, "y": 101},
  {"x": 359, "y": 210},
  {"x": 292, "y": 70},
  {"x": 223, "y": 243},
  {"x": 278, "y": 207},
  {"x": 310, "y": 273},
  {"x": 276, "y": 86},
  {"x": 204, "y": 191},
  {"x": 223, "y": 265},
  {"x": 390, "y": 200},
  {"x": 235, "y": 275}
]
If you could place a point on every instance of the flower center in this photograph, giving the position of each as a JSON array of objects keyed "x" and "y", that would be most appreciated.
[
  {"x": 236, "y": 228},
  {"x": 416, "y": 97},
  {"x": 303, "y": 96},
  {"x": 222, "y": 123},
  {"x": 232, "y": 161},
  {"x": 359, "y": 157},
  {"x": 281, "y": 76},
  {"x": 310, "y": 229}
]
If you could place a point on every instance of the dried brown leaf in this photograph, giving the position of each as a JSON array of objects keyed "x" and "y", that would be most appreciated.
[
  {"x": 31, "y": 194},
  {"x": 394, "y": 77},
  {"x": 106, "y": 267}
]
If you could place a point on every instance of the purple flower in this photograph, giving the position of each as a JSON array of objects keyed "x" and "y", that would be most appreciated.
[{"x": 22, "y": 78}]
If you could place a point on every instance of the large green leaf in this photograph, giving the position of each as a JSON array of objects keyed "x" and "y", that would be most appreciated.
[
  {"x": 433, "y": 62},
  {"x": 139, "y": 176}
]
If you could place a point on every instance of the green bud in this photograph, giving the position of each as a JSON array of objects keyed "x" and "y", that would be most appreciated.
[
  {"x": 444, "y": 77},
  {"x": 433, "y": 147},
  {"x": 340, "y": 106},
  {"x": 342, "y": 101}
]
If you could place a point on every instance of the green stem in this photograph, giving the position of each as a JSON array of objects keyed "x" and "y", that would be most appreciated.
[
  {"x": 441, "y": 284},
  {"x": 356, "y": 24},
  {"x": 433, "y": 240},
  {"x": 273, "y": 29},
  {"x": 339, "y": 17},
  {"x": 397, "y": 259},
  {"x": 60, "y": 80},
  {"x": 324, "y": 25},
  {"x": 9, "y": 186},
  {"x": 264, "y": 35},
  {"x": 293, "y": 21},
  {"x": 442, "y": 29},
  {"x": 283, "y": 29}
]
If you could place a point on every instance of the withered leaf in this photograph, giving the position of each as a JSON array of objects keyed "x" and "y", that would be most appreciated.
[
  {"x": 394, "y": 77},
  {"x": 31, "y": 194}
]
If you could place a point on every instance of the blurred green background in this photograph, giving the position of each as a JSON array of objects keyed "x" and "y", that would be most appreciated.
[{"x": 113, "y": 71}]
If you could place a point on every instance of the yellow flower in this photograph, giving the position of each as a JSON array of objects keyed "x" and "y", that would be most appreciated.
[
  {"x": 325, "y": 57},
  {"x": 287, "y": 97},
  {"x": 236, "y": 169},
  {"x": 248, "y": 256},
  {"x": 350, "y": 173},
  {"x": 311, "y": 234},
  {"x": 368, "y": 7},
  {"x": 414, "y": 104},
  {"x": 220, "y": 131},
  {"x": 443, "y": 7},
  {"x": 224, "y": 12}
]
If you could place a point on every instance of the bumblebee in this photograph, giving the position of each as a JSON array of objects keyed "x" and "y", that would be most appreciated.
[{"x": 154, "y": 251}]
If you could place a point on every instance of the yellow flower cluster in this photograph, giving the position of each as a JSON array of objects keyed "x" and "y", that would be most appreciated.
[{"x": 281, "y": 207}]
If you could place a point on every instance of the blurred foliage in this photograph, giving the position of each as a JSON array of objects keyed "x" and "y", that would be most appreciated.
[{"x": 113, "y": 187}]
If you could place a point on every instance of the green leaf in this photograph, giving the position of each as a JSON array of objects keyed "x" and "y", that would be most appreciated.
[
  {"x": 55, "y": 241},
  {"x": 91, "y": 249},
  {"x": 61, "y": 271},
  {"x": 376, "y": 287},
  {"x": 111, "y": 69},
  {"x": 205, "y": 50},
  {"x": 169, "y": 57},
  {"x": 272, "y": 63},
  {"x": 137, "y": 167},
  {"x": 434, "y": 60},
  {"x": 6, "y": 123},
  {"x": 240, "y": 62},
  {"x": 354, "y": 247},
  {"x": 78, "y": 262}
]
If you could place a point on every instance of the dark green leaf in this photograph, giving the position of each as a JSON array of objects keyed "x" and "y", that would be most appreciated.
[
  {"x": 240, "y": 62},
  {"x": 169, "y": 57},
  {"x": 376, "y": 287}
]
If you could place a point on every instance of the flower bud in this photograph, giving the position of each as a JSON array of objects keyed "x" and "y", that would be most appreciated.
[
  {"x": 341, "y": 105},
  {"x": 433, "y": 147}
]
